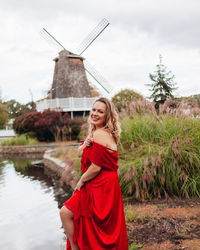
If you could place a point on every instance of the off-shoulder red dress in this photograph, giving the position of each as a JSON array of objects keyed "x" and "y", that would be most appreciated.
[{"x": 99, "y": 221}]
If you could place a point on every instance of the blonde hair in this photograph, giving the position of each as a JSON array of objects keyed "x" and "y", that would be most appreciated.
[{"x": 111, "y": 120}]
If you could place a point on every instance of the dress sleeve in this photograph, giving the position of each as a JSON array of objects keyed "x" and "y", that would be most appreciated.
[{"x": 100, "y": 156}]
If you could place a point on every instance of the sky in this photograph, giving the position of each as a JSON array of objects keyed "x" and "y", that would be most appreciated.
[{"x": 124, "y": 54}]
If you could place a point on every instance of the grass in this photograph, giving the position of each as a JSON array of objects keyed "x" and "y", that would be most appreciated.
[
  {"x": 134, "y": 216},
  {"x": 159, "y": 156},
  {"x": 20, "y": 140},
  {"x": 134, "y": 246},
  {"x": 70, "y": 157}
]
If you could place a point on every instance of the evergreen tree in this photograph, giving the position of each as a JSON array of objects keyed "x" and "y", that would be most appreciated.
[{"x": 163, "y": 84}]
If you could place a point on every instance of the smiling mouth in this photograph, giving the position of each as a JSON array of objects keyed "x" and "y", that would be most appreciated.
[{"x": 95, "y": 119}]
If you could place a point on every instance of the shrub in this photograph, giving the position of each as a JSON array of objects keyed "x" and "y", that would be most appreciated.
[
  {"x": 160, "y": 156},
  {"x": 124, "y": 97},
  {"x": 19, "y": 141},
  {"x": 3, "y": 116},
  {"x": 48, "y": 125},
  {"x": 25, "y": 123}
]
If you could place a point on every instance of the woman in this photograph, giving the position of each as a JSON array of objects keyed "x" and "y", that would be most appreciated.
[{"x": 93, "y": 218}]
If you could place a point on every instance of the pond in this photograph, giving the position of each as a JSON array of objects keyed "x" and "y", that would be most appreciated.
[{"x": 30, "y": 199}]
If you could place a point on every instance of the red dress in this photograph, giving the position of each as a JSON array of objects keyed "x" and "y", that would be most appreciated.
[{"x": 99, "y": 221}]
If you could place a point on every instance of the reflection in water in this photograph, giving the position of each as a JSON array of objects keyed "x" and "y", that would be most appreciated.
[{"x": 29, "y": 208}]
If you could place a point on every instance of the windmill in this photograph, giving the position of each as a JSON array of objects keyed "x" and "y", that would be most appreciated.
[{"x": 69, "y": 78}]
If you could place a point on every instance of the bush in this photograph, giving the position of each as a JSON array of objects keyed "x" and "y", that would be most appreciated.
[
  {"x": 48, "y": 125},
  {"x": 124, "y": 97},
  {"x": 160, "y": 156},
  {"x": 3, "y": 116},
  {"x": 20, "y": 141},
  {"x": 25, "y": 123},
  {"x": 84, "y": 132}
]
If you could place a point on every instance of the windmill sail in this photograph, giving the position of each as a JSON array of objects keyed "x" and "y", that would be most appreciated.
[
  {"x": 51, "y": 40},
  {"x": 99, "y": 78},
  {"x": 83, "y": 46},
  {"x": 92, "y": 36}
]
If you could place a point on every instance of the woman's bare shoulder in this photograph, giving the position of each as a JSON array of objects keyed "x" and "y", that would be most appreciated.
[
  {"x": 100, "y": 133},
  {"x": 103, "y": 137}
]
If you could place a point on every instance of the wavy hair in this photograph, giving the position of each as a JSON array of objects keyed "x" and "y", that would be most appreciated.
[{"x": 111, "y": 120}]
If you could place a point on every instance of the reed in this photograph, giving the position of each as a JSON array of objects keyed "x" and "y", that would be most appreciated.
[{"x": 159, "y": 155}]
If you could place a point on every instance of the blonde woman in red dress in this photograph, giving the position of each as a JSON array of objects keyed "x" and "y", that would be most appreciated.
[{"x": 93, "y": 218}]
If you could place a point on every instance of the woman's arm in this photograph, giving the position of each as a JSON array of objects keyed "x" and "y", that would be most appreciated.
[
  {"x": 102, "y": 137},
  {"x": 91, "y": 172},
  {"x": 86, "y": 143}
]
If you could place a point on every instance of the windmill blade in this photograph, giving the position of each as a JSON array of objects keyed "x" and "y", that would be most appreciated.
[
  {"x": 51, "y": 40},
  {"x": 92, "y": 36},
  {"x": 97, "y": 77}
]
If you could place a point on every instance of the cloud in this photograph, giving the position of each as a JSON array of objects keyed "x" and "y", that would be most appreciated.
[{"x": 125, "y": 53}]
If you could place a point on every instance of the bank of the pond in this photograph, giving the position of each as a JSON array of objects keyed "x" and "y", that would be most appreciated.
[
  {"x": 60, "y": 168},
  {"x": 23, "y": 150},
  {"x": 47, "y": 152}
]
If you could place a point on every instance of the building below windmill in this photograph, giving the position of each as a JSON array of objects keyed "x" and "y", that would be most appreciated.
[{"x": 76, "y": 106}]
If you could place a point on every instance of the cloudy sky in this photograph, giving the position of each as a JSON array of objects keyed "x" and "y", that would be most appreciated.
[{"x": 125, "y": 53}]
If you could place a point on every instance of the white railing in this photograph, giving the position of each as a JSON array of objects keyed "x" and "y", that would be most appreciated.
[
  {"x": 6, "y": 134},
  {"x": 66, "y": 104}
]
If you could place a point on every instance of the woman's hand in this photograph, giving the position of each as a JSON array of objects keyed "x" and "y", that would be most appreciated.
[
  {"x": 79, "y": 185},
  {"x": 88, "y": 141}
]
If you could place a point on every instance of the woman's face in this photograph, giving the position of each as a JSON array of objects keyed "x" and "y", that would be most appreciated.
[{"x": 98, "y": 114}]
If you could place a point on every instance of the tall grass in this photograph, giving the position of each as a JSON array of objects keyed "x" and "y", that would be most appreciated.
[
  {"x": 159, "y": 155},
  {"x": 20, "y": 141}
]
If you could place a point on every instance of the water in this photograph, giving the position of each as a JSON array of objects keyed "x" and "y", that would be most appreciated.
[{"x": 29, "y": 208}]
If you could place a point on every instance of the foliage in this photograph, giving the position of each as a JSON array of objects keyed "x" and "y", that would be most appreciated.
[
  {"x": 193, "y": 100},
  {"x": 84, "y": 132},
  {"x": 197, "y": 97},
  {"x": 162, "y": 86},
  {"x": 19, "y": 141},
  {"x": 134, "y": 246},
  {"x": 124, "y": 97},
  {"x": 3, "y": 116},
  {"x": 159, "y": 155},
  {"x": 25, "y": 123},
  {"x": 48, "y": 125},
  {"x": 15, "y": 109},
  {"x": 75, "y": 125},
  {"x": 73, "y": 162},
  {"x": 94, "y": 91}
]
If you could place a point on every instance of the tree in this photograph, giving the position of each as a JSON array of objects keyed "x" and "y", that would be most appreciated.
[
  {"x": 197, "y": 97},
  {"x": 125, "y": 96},
  {"x": 3, "y": 116},
  {"x": 94, "y": 91},
  {"x": 14, "y": 108},
  {"x": 163, "y": 84}
]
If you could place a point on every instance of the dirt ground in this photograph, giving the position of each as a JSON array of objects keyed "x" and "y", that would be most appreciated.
[{"x": 163, "y": 225}]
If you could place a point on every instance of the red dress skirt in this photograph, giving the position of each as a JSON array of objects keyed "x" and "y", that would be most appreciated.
[{"x": 99, "y": 221}]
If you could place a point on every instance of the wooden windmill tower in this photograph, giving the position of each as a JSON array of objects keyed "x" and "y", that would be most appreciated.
[
  {"x": 69, "y": 74},
  {"x": 69, "y": 77}
]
